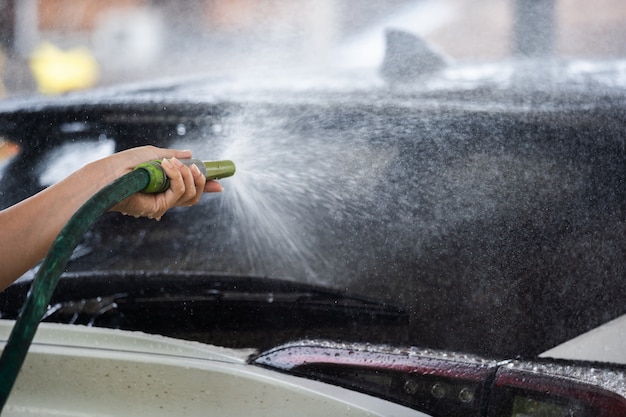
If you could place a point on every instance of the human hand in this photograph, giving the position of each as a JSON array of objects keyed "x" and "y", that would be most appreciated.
[{"x": 186, "y": 183}]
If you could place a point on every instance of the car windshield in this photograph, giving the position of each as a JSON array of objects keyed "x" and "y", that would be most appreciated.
[{"x": 461, "y": 159}]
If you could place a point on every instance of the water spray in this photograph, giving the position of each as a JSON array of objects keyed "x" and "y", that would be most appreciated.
[{"x": 147, "y": 177}]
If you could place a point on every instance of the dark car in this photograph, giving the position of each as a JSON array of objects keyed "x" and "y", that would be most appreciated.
[{"x": 443, "y": 239}]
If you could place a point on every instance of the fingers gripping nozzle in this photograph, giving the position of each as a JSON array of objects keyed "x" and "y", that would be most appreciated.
[{"x": 159, "y": 182}]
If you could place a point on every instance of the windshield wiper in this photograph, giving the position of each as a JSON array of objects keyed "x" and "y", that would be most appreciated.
[{"x": 227, "y": 310}]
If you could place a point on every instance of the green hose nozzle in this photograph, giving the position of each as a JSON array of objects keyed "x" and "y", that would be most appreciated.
[{"x": 159, "y": 182}]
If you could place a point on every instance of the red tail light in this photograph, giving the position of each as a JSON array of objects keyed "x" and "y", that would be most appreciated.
[
  {"x": 558, "y": 389},
  {"x": 439, "y": 383},
  {"x": 445, "y": 384}
]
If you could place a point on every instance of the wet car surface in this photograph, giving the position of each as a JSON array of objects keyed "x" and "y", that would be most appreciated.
[{"x": 491, "y": 212}]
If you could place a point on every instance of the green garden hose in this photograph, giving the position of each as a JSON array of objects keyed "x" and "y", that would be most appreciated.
[{"x": 148, "y": 177}]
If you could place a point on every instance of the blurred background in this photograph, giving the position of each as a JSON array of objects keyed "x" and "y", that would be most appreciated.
[{"x": 54, "y": 46}]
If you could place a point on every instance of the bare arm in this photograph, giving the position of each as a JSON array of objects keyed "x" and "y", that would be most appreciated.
[{"x": 29, "y": 227}]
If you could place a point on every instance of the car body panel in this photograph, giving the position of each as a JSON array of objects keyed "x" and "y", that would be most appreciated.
[
  {"x": 78, "y": 370},
  {"x": 606, "y": 343}
]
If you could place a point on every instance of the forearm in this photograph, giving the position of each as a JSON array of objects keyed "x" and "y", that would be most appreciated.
[{"x": 30, "y": 227}]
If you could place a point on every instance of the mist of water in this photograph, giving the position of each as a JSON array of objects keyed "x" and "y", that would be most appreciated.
[
  {"x": 314, "y": 200},
  {"x": 291, "y": 192}
]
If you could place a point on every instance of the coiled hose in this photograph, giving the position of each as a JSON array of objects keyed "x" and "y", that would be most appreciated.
[{"x": 143, "y": 178}]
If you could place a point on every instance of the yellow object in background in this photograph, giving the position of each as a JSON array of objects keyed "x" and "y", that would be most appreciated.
[{"x": 57, "y": 71}]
